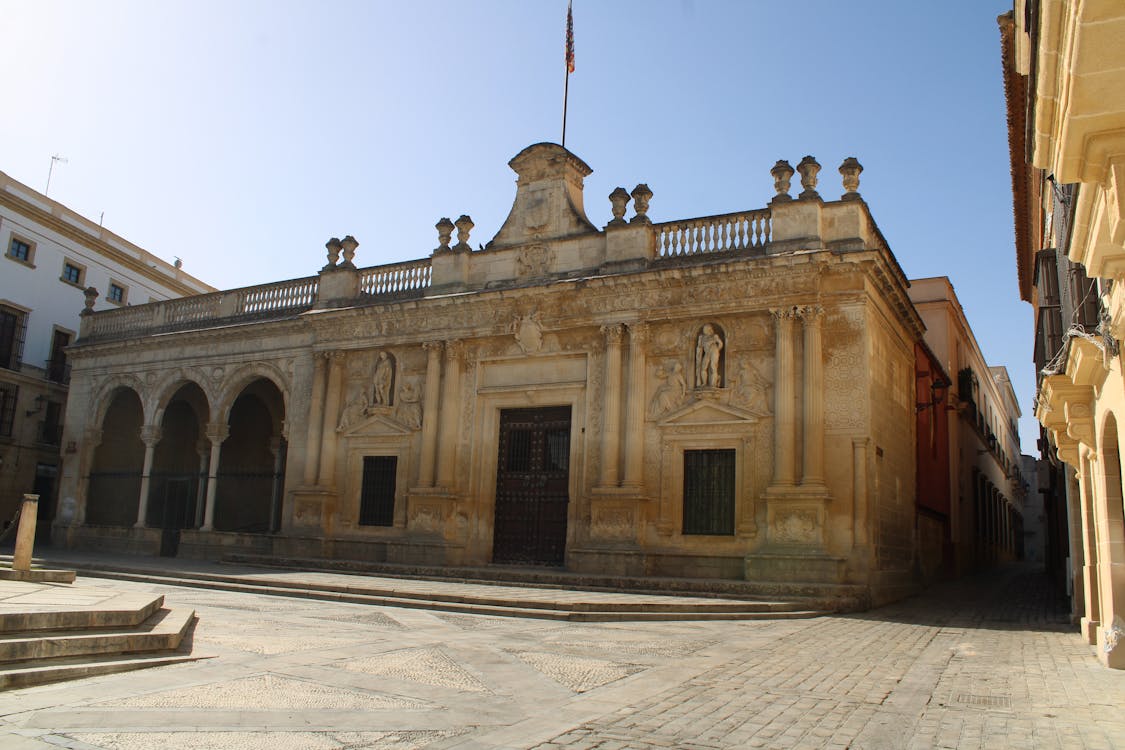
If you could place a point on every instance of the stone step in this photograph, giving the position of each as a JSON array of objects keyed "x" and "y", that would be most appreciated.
[
  {"x": 820, "y": 596},
  {"x": 41, "y": 672},
  {"x": 163, "y": 631},
  {"x": 122, "y": 610},
  {"x": 515, "y": 606}
]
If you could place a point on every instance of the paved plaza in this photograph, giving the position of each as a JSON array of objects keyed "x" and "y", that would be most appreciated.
[{"x": 989, "y": 662}]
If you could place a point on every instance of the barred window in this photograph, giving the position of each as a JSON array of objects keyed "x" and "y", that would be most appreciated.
[
  {"x": 8, "y": 396},
  {"x": 709, "y": 491},
  {"x": 377, "y": 496},
  {"x": 12, "y": 327}
]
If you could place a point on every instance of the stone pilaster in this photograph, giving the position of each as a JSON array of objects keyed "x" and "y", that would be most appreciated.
[
  {"x": 150, "y": 436},
  {"x": 1090, "y": 621},
  {"x": 635, "y": 417},
  {"x": 216, "y": 432},
  {"x": 611, "y": 414},
  {"x": 450, "y": 413},
  {"x": 785, "y": 408},
  {"x": 326, "y": 474},
  {"x": 430, "y": 414},
  {"x": 316, "y": 419},
  {"x": 812, "y": 474}
]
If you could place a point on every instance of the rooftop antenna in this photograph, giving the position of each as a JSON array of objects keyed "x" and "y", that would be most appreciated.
[{"x": 55, "y": 158}]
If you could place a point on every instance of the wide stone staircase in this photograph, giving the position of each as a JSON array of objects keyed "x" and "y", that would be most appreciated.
[{"x": 50, "y": 633}]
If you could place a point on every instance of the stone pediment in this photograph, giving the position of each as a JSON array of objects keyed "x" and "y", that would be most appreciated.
[
  {"x": 548, "y": 203},
  {"x": 706, "y": 412},
  {"x": 379, "y": 423}
]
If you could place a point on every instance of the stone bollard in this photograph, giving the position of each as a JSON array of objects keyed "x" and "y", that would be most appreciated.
[{"x": 25, "y": 535}]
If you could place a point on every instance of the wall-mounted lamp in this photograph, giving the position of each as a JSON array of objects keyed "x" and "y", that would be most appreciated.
[{"x": 939, "y": 389}]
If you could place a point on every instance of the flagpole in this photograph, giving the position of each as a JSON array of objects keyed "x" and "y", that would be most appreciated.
[
  {"x": 566, "y": 92},
  {"x": 569, "y": 63}
]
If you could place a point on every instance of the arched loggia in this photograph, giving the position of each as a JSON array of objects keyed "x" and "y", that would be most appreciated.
[
  {"x": 179, "y": 467},
  {"x": 115, "y": 474},
  {"x": 252, "y": 464}
]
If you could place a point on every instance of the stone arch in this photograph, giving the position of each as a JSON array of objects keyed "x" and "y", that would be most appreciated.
[
  {"x": 248, "y": 488},
  {"x": 166, "y": 389},
  {"x": 177, "y": 478},
  {"x": 99, "y": 405},
  {"x": 240, "y": 379},
  {"x": 1111, "y": 554},
  {"x": 114, "y": 482}
]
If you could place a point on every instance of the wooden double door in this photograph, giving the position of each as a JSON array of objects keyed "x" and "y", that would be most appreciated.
[{"x": 532, "y": 486}]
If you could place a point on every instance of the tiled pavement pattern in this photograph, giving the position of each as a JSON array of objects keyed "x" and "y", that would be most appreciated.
[{"x": 985, "y": 663}]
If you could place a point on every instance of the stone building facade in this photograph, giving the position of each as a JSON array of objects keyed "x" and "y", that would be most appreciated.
[
  {"x": 729, "y": 397},
  {"x": 1064, "y": 67}
]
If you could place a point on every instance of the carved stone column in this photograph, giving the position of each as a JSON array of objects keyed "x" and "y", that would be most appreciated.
[
  {"x": 316, "y": 420},
  {"x": 611, "y": 415},
  {"x": 785, "y": 407},
  {"x": 216, "y": 432},
  {"x": 92, "y": 439},
  {"x": 859, "y": 491},
  {"x": 1090, "y": 570},
  {"x": 635, "y": 417},
  {"x": 430, "y": 413},
  {"x": 203, "y": 449},
  {"x": 813, "y": 464},
  {"x": 150, "y": 436},
  {"x": 326, "y": 475},
  {"x": 275, "y": 500},
  {"x": 450, "y": 413}
]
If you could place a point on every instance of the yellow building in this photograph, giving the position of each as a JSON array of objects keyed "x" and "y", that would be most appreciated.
[{"x": 1065, "y": 80}]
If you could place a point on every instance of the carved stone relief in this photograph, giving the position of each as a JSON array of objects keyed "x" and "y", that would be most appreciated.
[
  {"x": 528, "y": 332},
  {"x": 534, "y": 261},
  {"x": 408, "y": 408},
  {"x": 752, "y": 389},
  {"x": 672, "y": 391},
  {"x": 613, "y": 523},
  {"x": 795, "y": 526}
]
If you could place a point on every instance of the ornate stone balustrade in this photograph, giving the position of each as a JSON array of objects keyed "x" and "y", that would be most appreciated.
[
  {"x": 713, "y": 234},
  {"x": 396, "y": 278}
]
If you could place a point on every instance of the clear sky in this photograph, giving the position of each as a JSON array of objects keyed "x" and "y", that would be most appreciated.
[{"x": 239, "y": 135}]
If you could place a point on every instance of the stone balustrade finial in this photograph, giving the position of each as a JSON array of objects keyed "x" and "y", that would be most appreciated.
[
  {"x": 91, "y": 295},
  {"x": 850, "y": 170},
  {"x": 464, "y": 225},
  {"x": 444, "y": 229},
  {"x": 782, "y": 174},
  {"x": 349, "y": 245},
  {"x": 809, "y": 168},
  {"x": 618, "y": 200},
  {"x": 641, "y": 196},
  {"x": 333, "y": 245}
]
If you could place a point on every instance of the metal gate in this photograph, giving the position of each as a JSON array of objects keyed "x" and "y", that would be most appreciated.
[{"x": 532, "y": 482}]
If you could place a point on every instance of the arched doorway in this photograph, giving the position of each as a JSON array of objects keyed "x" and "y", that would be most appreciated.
[
  {"x": 252, "y": 462},
  {"x": 115, "y": 474},
  {"x": 179, "y": 470},
  {"x": 1111, "y": 541}
]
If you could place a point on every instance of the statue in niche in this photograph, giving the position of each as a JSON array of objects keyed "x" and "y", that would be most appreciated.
[
  {"x": 409, "y": 409},
  {"x": 671, "y": 392},
  {"x": 383, "y": 381},
  {"x": 708, "y": 358}
]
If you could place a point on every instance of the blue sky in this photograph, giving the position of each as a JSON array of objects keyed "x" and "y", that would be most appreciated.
[{"x": 240, "y": 135}]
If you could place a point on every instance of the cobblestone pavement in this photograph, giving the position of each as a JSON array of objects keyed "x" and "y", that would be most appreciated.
[{"x": 989, "y": 662}]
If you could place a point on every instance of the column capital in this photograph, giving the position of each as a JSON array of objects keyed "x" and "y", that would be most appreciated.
[
  {"x": 638, "y": 332},
  {"x": 217, "y": 432},
  {"x": 781, "y": 314},
  {"x": 810, "y": 315},
  {"x": 432, "y": 346},
  {"x": 150, "y": 435},
  {"x": 454, "y": 348},
  {"x": 614, "y": 332}
]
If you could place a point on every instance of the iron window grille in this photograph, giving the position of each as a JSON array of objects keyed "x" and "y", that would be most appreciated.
[
  {"x": 709, "y": 491},
  {"x": 377, "y": 495},
  {"x": 8, "y": 396},
  {"x": 13, "y": 326}
]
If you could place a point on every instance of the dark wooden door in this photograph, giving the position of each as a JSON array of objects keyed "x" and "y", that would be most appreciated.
[{"x": 532, "y": 483}]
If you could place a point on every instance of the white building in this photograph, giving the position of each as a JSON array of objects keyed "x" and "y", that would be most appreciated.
[{"x": 51, "y": 257}]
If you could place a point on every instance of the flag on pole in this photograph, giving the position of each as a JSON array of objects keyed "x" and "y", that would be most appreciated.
[{"x": 569, "y": 39}]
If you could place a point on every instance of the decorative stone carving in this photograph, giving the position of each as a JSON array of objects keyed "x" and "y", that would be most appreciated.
[
  {"x": 753, "y": 389},
  {"x": 333, "y": 246},
  {"x": 709, "y": 357},
  {"x": 353, "y": 412},
  {"x": 444, "y": 232},
  {"x": 464, "y": 226},
  {"x": 809, "y": 168},
  {"x": 795, "y": 526},
  {"x": 672, "y": 392},
  {"x": 528, "y": 332},
  {"x": 849, "y": 171},
  {"x": 613, "y": 523},
  {"x": 618, "y": 200},
  {"x": 641, "y": 196},
  {"x": 534, "y": 261},
  {"x": 349, "y": 246},
  {"x": 409, "y": 407},
  {"x": 91, "y": 295},
  {"x": 782, "y": 174}
]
